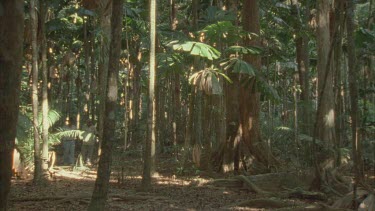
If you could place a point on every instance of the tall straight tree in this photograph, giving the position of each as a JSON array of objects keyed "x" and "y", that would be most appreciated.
[
  {"x": 104, "y": 11},
  {"x": 353, "y": 90},
  {"x": 11, "y": 47},
  {"x": 149, "y": 154},
  {"x": 34, "y": 89},
  {"x": 99, "y": 196},
  {"x": 249, "y": 95},
  {"x": 302, "y": 58},
  {"x": 43, "y": 12},
  {"x": 326, "y": 120}
]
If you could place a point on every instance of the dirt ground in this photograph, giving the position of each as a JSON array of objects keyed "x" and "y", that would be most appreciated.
[{"x": 71, "y": 190}]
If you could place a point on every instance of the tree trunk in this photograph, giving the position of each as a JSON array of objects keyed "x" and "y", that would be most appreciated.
[
  {"x": 249, "y": 96},
  {"x": 34, "y": 92},
  {"x": 302, "y": 57},
  {"x": 43, "y": 12},
  {"x": 11, "y": 54},
  {"x": 105, "y": 25},
  {"x": 337, "y": 69},
  {"x": 231, "y": 157},
  {"x": 87, "y": 91},
  {"x": 94, "y": 78},
  {"x": 326, "y": 120},
  {"x": 353, "y": 91},
  {"x": 100, "y": 192},
  {"x": 149, "y": 155}
]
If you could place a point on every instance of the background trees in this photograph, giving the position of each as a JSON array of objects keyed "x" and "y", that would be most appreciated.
[
  {"x": 11, "y": 40},
  {"x": 236, "y": 84}
]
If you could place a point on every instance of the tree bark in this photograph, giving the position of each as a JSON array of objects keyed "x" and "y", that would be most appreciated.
[
  {"x": 105, "y": 25},
  {"x": 302, "y": 57},
  {"x": 43, "y": 12},
  {"x": 233, "y": 136},
  {"x": 249, "y": 96},
  {"x": 149, "y": 155},
  {"x": 11, "y": 54},
  {"x": 326, "y": 120},
  {"x": 100, "y": 192},
  {"x": 34, "y": 92},
  {"x": 337, "y": 69},
  {"x": 353, "y": 91}
]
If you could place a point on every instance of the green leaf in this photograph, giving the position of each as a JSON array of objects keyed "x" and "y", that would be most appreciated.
[
  {"x": 252, "y": 50},
  {"x": 207, "y": 80},
  {"x": 222, "y": 31},
  {"x": 238, "y": 65},
  {"x": 198, "y": 49},
  {"x": 53, "y": 116}
]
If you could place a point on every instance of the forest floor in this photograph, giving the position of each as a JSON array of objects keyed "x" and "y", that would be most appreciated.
[{"x": 71, "y": 189}]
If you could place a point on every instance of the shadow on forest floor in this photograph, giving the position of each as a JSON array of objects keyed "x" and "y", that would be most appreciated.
[{"x": 71, "y": 190}]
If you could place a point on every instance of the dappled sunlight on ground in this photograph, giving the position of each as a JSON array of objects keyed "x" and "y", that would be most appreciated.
[{"x": 71, "y": 190}]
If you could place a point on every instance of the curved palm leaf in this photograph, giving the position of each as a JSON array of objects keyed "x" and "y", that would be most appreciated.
[
  {"x": 53, "y": 116},
  {"x": 198, "y": 49},
  {"x": 207, "y": 80},
  {"x": 238, "y": 65}
]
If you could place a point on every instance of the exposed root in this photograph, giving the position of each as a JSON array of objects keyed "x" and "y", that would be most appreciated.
[
  {"x": 250, "y": 185},
  {"x": 346, "y": 202},
  {"x": 267, "y": 203},
  {"x": 302, "y": 194}
]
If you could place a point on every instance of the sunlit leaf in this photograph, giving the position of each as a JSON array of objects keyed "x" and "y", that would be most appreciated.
[
  {"x": 207, "y": 80},
  {"x": 198, "y": 49}
]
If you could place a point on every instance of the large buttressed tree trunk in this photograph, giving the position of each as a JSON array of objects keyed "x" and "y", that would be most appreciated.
[
  {"x": 100, "y": 193},
  {"x": 11, "y": 46},
  {"x": 249, "y": 95}
]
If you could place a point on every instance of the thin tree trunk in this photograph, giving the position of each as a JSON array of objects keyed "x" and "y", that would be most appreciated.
[
  {"x": 149, "y": 155},
  {"x": 43, "y": 12},
  {"x": 302, "y": 57},
  {"x": 34, "y": 92},
  {"x": 94, "y": 78},
  {"x": 189, "y": 128},
  {"x": 353, "y": 90},
  {"x": 303, "y": 69},
  {"x": 11, "y": 54},
  {"x": 87, "y": 49},
  {"x": 206, "y": 135},
  {"x": 100, "y": 192},
  {"x": 337, "y": 68},
  {"x": 105, "y": 25}
]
